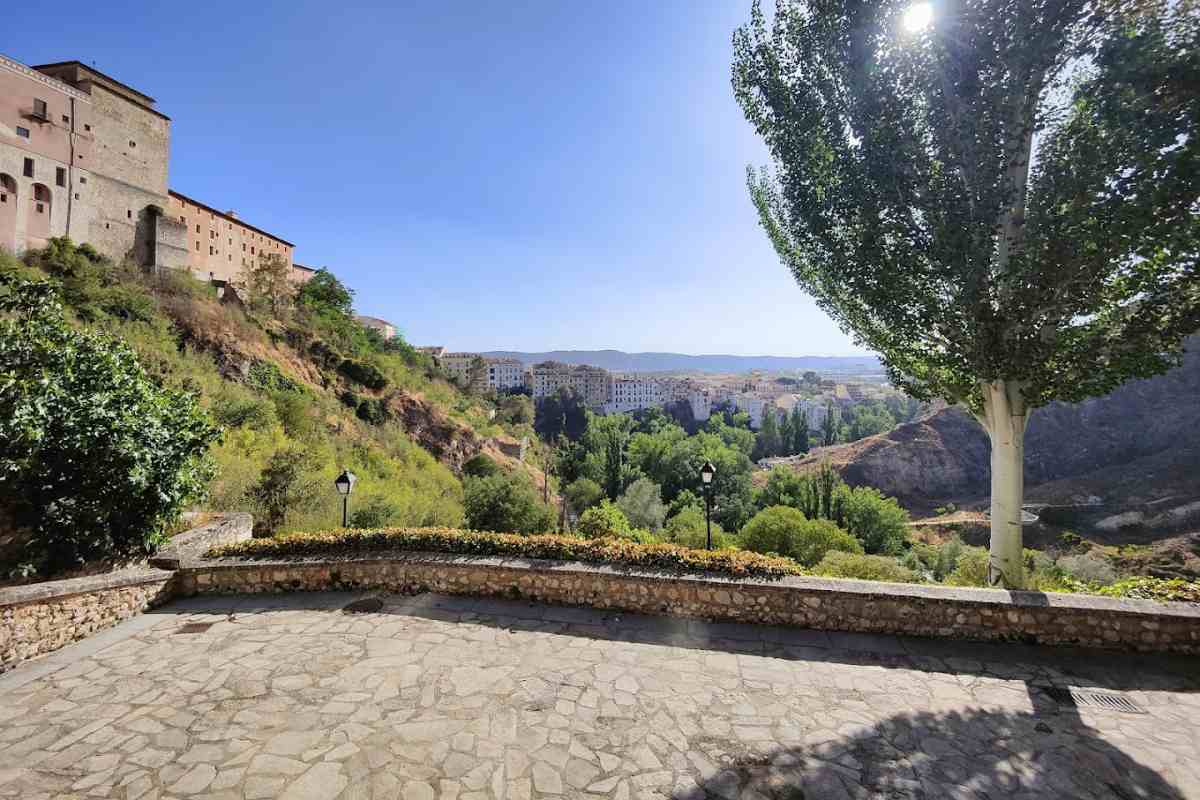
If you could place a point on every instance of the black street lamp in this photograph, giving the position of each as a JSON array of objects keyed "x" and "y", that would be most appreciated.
[
  {"x": 706, "y": 477},
  {"x": 344, "y": 483}
]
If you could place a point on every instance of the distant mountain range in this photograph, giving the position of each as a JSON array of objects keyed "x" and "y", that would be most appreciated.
[{"x": 619, "y": 361}]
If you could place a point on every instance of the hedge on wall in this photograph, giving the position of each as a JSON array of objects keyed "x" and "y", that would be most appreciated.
[{"x": 565, "y": 548}]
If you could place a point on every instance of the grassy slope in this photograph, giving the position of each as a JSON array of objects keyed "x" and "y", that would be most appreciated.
[{"x": 257, "y": 377}]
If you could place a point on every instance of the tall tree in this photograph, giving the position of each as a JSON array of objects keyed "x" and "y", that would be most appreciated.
[
  {"x": 766, "y": 443},
  {"x": 1002, "y": 203},
  {"x": 829, "y": 426},
  {"x": 799, "y": 429},
  {"x": 787, "y": 436}
]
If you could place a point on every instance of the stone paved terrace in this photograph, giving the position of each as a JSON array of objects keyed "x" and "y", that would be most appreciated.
[{"x": 440, "y": 697}]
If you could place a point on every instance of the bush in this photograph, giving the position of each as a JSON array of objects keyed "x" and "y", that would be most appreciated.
[
  {"x": 567, "y": 548},
  {"x": 947, "y": 557},
  {"x": 1161, "y": 589},
  {"x": 970, "y": 567},
  {"x": 864, "y": 567},
  {"x": 373, "y": 410},
  {"x": 687, "y": 529},
  {"x": 235, "y": 409},
  {"x": 507, "y": 503},
  {"x": 603, "y": 520},
  {"x": 785, "y": 531},
  {"x": 361, "y": 372},
  {"x": 878, "y": 522},
  {"x": 374, "y": 512},
  {"x": 1089, "y": 569},
  {"x": 583, "y": 493},
  {"x": 480, "y": 465},
  {"x": 642, "y": 504},
  {"x": 95, "y": 458}
]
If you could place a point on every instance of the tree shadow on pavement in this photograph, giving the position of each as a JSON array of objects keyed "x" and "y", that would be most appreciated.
[{"x": 924, "y": 755}]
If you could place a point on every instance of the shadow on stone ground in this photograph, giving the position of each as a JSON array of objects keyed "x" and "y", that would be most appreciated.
[{"x": 973, "y": 754}]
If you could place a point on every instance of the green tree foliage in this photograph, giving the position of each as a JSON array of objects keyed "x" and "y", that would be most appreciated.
[
  {"x": 605, "y": 519},
  {"x": 799, "y": 430},
  {"x": 910, "y": 200},
  {"x": 768, "y": 441},
  {"x": 787, "y": 532},
  {"x": 323, "y": 293},
  {"x": 515, "y": 409},
  {"x": 878, "y": 522},
  {"x": 268, "y": 284},
  {"x": 829, "y": 426},
  {"x": 95, "y": 458},
  {"x": 583, "y": 493},
  {"x": 605, "y": 441},
  {"x": 838, "y": 564},
  {"x": 642, "y": 504},
  {"x": 506, "y": 503},
  {"x": 866, "y": 419},
  {"x": 287, "y": 485},
  {"x": 687, "y": 529},
  {"x": 561, "y": 414},
  {"x": 480, "y": 465}
]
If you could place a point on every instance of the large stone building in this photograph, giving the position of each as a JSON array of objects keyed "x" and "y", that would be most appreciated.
[
  {"x": 85, "y": 156},
  {"x": 590, "y": 383},
  {"x": 500, "y": 374},
  {"x": 221, "y": 246}
]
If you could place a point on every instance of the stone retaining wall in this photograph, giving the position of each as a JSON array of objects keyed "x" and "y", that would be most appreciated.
[
  {"x": 42, "y": 617},
  {"x": 843, "y": 605}
]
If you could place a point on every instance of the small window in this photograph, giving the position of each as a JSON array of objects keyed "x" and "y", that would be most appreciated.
[
  {"x": 22, "y": 132},
  {"x": 77, "y": 195},
  {"x": 66, "y": 119},
  {"x": 106, "y": 226},
  {"x": 197, "y": 229},
  {"x": 210, "y": 250},
  {"x": 60, "y": 176},
  {"x": 87, "y": 126},
  {"x": 128, "y": 213},
  {"x": 251, "y": 251},
  {"x": 29, "y": 168},
  {"x": 183, "y": 219},
  {"x": 132, "y": 144},
  {"x": 39, "y": 108},
  {"x": 3, "y": 197},
  {"x": 197, "y": 247},
  {"x": 40, "y": 208}
]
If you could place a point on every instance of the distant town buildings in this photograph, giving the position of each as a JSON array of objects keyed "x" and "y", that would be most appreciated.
[{"x": 386, "y": 329}]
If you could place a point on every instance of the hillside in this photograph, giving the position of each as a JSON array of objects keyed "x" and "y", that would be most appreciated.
[
  {"x": 619, "y": 361},
  {"x": 300, "y": 391},
  {"x": 1139, "y": 445}
]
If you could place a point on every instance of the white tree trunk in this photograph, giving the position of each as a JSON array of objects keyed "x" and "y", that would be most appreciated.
[{"x": 1005, "y": 417}]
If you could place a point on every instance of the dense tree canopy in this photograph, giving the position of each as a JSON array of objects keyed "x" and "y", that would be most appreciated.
[{"x": 1004, "y": 205}]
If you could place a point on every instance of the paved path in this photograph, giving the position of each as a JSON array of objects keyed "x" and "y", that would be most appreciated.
[{"x": 436, "y": 697}]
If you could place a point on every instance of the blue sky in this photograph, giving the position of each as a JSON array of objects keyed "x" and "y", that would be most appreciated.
[{"x": 487, "y": 175}]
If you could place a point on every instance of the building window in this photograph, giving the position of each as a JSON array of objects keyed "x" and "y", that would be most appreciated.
[
  {"x": 197, "y": 247},
  {"x": 77, "y": 195},
  {"x": 197, "y": 229},
  {"x": 128, "y": 214},
  {"x": 22, "y": 132},
  {"x": 39, "y": 108},
  {"x": 87, "y": 126},
  {"x": 251, "y": 251},
  {"x": 40, "y": 208},
  {"x": 243, "y": 247},
  {"x": 28, "y": 172},
  {"x": 210, "y": 250},
  {"x": 82, "y": 179},
  {"x": 60, "y": 176},
  {"x": 132, "y": 144},
  {"x": 183, "y": 219},
  {"x": 66, "y": 119}
]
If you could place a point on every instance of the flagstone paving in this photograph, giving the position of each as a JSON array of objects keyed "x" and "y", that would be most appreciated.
[{"x": 465, "y": 699}]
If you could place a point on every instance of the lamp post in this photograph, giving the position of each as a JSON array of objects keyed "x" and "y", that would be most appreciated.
[
  {"x": 344, "y": 483},
  {"x": 706, "y": 476}
]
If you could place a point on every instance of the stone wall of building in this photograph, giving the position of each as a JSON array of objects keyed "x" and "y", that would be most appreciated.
[
  {"x": 843, "y": 605},
  {"x": 40, "y": 618}
]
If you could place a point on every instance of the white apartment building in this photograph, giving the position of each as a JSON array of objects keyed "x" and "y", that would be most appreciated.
[
  {"x": 632, "y": 393},
  {"x": 499, "y": 373}
]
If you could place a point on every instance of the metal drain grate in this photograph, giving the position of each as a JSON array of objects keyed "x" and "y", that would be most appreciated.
[
  {"x": 368, "y": 605},
  {"x": 1082, "y": 697},
  {"x": 194, "y": 627}
]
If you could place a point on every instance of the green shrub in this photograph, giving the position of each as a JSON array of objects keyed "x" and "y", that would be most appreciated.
[
  {"x": 785, "y": 531},
  {"x": 507, "y": 503},
  {"x": 361, "y": 372},
  {"x": 1161, "y": 589},
  {"x": 265, "y": 376},
  {"x": 864, "y": 567},
  {"x": 1088, "y": 569},
  {"x": 583, "y": 493},
  {"x": 566, "y": 548},
  {"x": 687, "y": 529},
  {"x": 603, "y": 520},
  {"x": 481, "y": 465},
  {"x": 642, "y": 505},
  {"x": 373, "y": 410},
  {"x": 970, "y": 567},
  {"x": 349, "y": 399},
  {"x": 947, "y": 557},
  {"x": 373, "y": 512},
  {"x": 878, "y": 522},
  {"x": 95, "y": 458},
  {"x": 236, "y": 407}
]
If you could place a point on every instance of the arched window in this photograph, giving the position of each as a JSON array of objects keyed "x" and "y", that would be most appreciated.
[
  {"x": 37, "y": 223},
  {"x": 8, "y": 212}
]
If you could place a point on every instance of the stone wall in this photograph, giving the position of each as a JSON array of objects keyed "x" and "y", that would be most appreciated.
[
  {"x": 843, "y": 605},
  {"x": 39, "y": 618}
]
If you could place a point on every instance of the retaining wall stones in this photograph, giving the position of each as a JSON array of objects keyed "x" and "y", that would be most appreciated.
[
  {"x": 843, "y": 605},
  {"x": 41, "y": 617}
]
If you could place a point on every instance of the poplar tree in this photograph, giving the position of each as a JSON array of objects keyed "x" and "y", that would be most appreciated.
[{"x": 1002, "y": 203}]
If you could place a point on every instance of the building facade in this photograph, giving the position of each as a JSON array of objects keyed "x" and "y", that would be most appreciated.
[
  {"x": 386, "y": 329},
  {"x": 500, "y": 374},
  {"x": 85, "y": 156},
  {"x": 590, "y": 383},
  {"x": 220, "y": 245}
]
